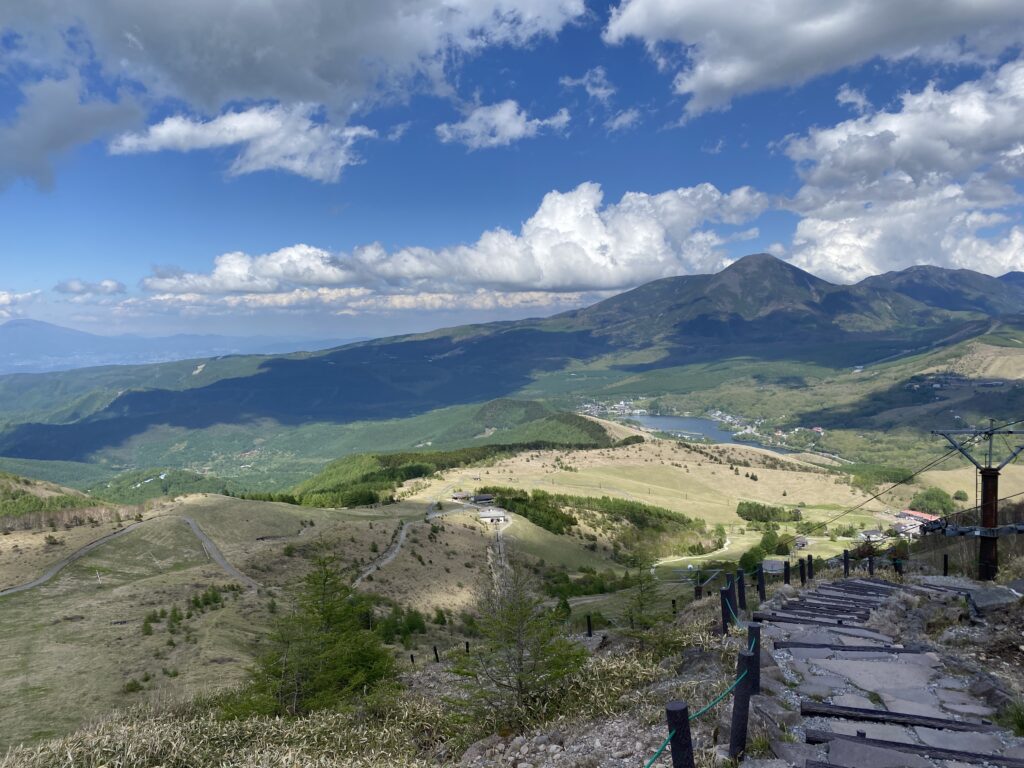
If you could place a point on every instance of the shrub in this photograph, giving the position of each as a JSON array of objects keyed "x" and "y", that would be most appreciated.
[{"x": 934, "y": 501}]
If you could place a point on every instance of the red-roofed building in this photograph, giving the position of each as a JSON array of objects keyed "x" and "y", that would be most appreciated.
[{"x": 913, "y": 514}]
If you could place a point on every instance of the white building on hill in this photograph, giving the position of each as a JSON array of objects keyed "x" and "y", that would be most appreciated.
[{"x": 494, "y": 515}]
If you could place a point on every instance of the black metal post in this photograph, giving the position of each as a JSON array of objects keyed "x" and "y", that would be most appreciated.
[
  {"x": 785, "y": 572},
  {"x": 741, "y": 591},
  {"x": 810, "y": 567},
  {"x": 945, "y": 564},
  {"x": 412, "y": 659},
  {"x": 437, "y": 656},
  {"x": 762, "y": 593},
  {"x": 754, "y": 645},
  {"x": 677, "y": 713},
  {"x": 846, "y": 563},
  {"x": 726, "y": 616},
  {"x": 988, "y": 556},
  {"x": 590, "y": 627},
  {"x": 803, "y": 572},
  {"x": 740, "y": 705},
  {"x": 698, "y": 591},
  {"x": 467, "y": 646},
  {"x": 871, "y": 565},
  {"x": 673, "y": 606}
]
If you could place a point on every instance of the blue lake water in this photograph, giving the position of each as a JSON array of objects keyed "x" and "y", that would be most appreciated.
[{"x": 694, "y": 428}]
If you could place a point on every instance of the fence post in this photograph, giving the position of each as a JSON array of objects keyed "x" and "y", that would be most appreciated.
[
  {"x": 673, "y": 606},
  {"x": 945, "y": 564},
  {"x": 467, "y": 646},
  {"x": 897, "y": 565},
  {"x": 803, "y": 572},
  {"x": 785, "y": 572},
  {"x": 437, "y": 656},
  {"x": 590, "y": 627},
  {"x": 754, "y": 644},
  {"x": 810, "y": 567},
  {"x": 733, "y": 601},
  {"x": 846, "y": 563},
  {"x": 677, "y": 713},
  {"x": 724, "y": 594},
  {"x": 741, "y": 590},
  {"x": 871, "y": 565},
  {"x": 412, "y": 659},
  {"x": 740, "y": 706},
  {"x": 762, "y": 594},
  {"x": 698, "y": 590}
]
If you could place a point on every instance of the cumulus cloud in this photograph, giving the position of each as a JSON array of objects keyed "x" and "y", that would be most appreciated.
[
  {"x": 10, "y": 301},
  {"x": 573, "y": 245},
  {"x": 623, "y": 121},
  {"x": 55, "y": 116},
  {"x": 853, "y": 97},
  {"x": 594, "y": 82},
  {"x": 346, "y": 55},
  {"x": 730, "y": 49},
  {"x": 931, "y": 182},
  {"x": 76, "y": 287},
  {"x": 272, "y": 138},
  {"x": 498, "y": 125}
]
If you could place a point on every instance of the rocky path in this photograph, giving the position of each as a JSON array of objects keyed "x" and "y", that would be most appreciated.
[{"x": 846, "y": 692}]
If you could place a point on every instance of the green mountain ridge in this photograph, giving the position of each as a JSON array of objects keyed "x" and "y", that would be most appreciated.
[{"x": 760, "y": 310}]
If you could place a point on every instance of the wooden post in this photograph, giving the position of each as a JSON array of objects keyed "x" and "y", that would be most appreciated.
[
  {"x": 590, "y": 627},
  {"x": 437, "y": 656},
  {"x": 673, "y": 606},
  {"x": 762, "y": 593},
  {"x": 810, "y": 567},
  {"x": 733, "y": 600},
  {"x": 803, "y": 572},
  {"x": 726, "y": 616},
  {"x": 412, "y": 659},
  {"x": 677, "y": 713},
  {"x": 467, "y": 646},
  {"x": 846, "y": 563},
  {"x": 785, "y": 572},
  {"x": 698, "y": 590},
  {"x": 754, "y": 644},
  {"x": 897, "y": 565},
  {"x": 871, "y": 565},
  {"x": 741, "y": 590},
  {"x": 740, "y": 706}
]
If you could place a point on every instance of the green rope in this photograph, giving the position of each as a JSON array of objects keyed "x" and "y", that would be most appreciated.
[
  {"x": 728, "y": 604},
  {"x": 660, "y": 749},
  {"x": 720, "y": 696}
]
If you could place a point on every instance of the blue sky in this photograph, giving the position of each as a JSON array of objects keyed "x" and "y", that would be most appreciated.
[{"x": 324, "y": 167}]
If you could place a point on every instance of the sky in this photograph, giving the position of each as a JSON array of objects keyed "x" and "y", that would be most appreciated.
[{"x": 343, "y": 168}]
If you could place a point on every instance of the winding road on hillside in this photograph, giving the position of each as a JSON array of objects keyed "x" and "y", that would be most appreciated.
[{"x": 211, "y": 549}]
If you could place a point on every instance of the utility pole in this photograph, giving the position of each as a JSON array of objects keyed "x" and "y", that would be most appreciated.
[{"x": 988, "y": 558}]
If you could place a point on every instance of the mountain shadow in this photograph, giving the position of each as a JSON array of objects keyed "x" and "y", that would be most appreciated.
[{"x": 397, "y": 379}]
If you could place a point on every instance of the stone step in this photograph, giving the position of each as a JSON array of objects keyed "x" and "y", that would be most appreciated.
[
  {"x": 819, "y": 709},
  {"x": 816, "y": 736}
]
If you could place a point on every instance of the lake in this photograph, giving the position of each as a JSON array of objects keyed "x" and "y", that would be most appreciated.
[{"x": 695, "y": 428}]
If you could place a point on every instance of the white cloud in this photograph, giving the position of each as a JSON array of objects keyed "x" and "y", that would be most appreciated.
[
  {"x": 931, "y": 182},
  {"x": 55, "y": 116},
  {"x": 346, "y": 55},
  {"x": 76, "y": 287},
  {"x": 10, "y": 301},
  {"x": 623, "y": 121},
  {"x": 853, "y": 97},
  {"x": 498, "y": 125},
  {"x": 573, "y": 246},
  {"x": 594, "y": 82},
  {"x": 730, "y": 49},
  {"x": 273, "y": 138}
]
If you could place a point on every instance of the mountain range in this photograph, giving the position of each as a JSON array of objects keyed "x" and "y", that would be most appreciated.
[
  {"x": 32, "y": 346},
  {"x": 760, "y": 310}
]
